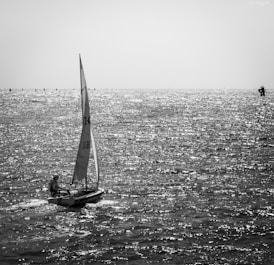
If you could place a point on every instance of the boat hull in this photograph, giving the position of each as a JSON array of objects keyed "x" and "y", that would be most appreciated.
[{"x": 77, "y": 200}]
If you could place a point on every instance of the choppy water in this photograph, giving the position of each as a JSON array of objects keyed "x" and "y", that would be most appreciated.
[{"x": 188, "y": 178}]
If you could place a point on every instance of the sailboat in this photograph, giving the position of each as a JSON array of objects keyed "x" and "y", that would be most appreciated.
[{"x": 87, "y": 142}]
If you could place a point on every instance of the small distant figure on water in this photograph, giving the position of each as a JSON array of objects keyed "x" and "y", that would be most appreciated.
[
  {"x": 54, "y": 187},
  {"x": 262, "y": 91}
]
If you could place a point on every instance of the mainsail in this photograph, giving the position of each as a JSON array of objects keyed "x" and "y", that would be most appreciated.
[{"x": 87, "y": 137}]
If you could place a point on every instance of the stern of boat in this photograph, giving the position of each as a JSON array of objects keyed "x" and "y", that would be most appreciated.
[{"x": 62, "y": 201}]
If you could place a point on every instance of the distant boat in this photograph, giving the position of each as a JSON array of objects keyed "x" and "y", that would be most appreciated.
[
  {"x": 262, "y": 91},
  {"x": 87, "y": 141}
]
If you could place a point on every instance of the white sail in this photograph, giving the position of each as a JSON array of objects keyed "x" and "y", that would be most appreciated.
[{"x": 87, "y": 138}]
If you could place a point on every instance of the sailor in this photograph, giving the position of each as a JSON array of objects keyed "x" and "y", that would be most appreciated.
[{"x": 54, "y": 187}]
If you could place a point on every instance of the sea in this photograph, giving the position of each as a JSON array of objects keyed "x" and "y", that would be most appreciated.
[{"x": 188, "y": 177}]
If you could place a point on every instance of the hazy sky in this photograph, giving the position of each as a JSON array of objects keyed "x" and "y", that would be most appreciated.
[{"x": 137, "y": 43}]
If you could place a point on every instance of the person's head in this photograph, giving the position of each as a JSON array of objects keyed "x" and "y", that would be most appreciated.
[{"x": 55, "y": 177}]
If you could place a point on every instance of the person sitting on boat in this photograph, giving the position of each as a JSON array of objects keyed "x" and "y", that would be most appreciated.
[{"x": 54, "y": 187}]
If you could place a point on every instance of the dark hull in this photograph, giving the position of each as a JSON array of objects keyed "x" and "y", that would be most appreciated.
[{"x": 77, "y": 200}]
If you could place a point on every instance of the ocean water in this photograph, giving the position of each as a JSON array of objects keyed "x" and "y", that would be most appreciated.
[{"x": 188, "y": 177}]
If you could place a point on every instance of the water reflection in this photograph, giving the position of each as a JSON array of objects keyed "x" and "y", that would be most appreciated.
[{"x": 189, "y": 179}]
